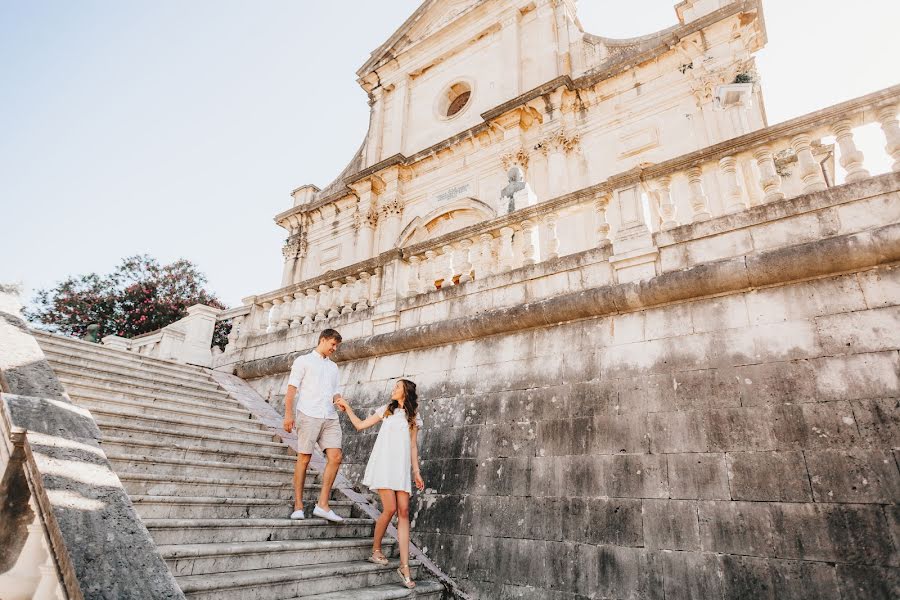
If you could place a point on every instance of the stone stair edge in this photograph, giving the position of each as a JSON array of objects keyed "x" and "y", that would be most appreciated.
[
  {"x": 81, "y": 386},
  {"x": 200, "y": 464},
  {"x": 158, "y": 523},
  {"x": 146, "y": 443},
  {"x": 424, "y": 588},
  {"x": 188, "y": 411},
  {"x": 130, "y": 415},
  {"x": 223, "y": 548},
  {"x": 161, "y": 381},
  {"x": 104, "y": 424},
  {"x": 58, "y": 354},
  {"x": 214, "y": 500},
  {"x": 132, "y": 476}
]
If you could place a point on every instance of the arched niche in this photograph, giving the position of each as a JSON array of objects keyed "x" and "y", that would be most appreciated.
[{"x": 444, "y": 219}]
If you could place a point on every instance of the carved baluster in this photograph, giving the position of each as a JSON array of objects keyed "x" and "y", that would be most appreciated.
[
  {"x": 414, "y": 279},
  {"x": 851, "y": 157},
  {"x": 430, "y": 272},
  {"x": 297, "y": 309},
  {"x": 887, "y": 117},
  {"x": 699, "y": 201},
  {"x": 284, "y": 316},
  {"x": 769, "y": 178},
  {"x": 506, "y": 248},
  {"x": 334, "y": 308},
  {"x": 446, "y": 261},
  {"x": 264, "y": 314},
  {"x": 376, "y": 286},
  {"x": 236, "y": 324},
  {"x": 810, "y": 170},
  {"x": 309, "y": 308},
  {"x": 275, "y": 315},
  {"x": 551, "y": 244},
  {"x": 362, "y": 295},
  {"x": 484, "y": 257},
  {"x": 462, "y": 263},
  {"x": 601, "y": 205},
  {"x": 666, "y": 205},
  {"x": 322, "y": 302},
  {"x": 348, "y": 293},
  {"x": 528, "y": 247},
  {"x": 734, "y": 198}
]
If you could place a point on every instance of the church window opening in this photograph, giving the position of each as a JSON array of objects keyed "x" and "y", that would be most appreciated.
[{"x": 454, "y": 99}]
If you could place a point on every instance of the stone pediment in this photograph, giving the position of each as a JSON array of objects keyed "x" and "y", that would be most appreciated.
[{"x": 431, "y": 17}]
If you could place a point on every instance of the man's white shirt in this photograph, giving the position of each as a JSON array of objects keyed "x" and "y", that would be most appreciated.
[{"x": 316, "y": 379}]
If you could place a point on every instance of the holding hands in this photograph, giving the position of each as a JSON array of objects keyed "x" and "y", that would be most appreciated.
[{"x": 342, "y": 405}]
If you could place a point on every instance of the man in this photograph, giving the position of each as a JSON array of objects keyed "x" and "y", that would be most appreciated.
[{"x": 315, "y": 378}]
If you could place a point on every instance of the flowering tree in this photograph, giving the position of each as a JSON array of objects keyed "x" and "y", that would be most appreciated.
[{"x": 138, "y": 297}]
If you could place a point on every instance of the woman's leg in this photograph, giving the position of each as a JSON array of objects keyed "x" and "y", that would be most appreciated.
[
  {"x": 388, "y": 508},
  {"x": 403, "y": 528}
]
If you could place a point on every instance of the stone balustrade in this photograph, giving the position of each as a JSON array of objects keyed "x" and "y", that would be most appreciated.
[{"x": 627, "y": 211}]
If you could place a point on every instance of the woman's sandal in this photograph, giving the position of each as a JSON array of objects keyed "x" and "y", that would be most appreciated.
[
  {"x": 407, "y": 581},
  {"x": 378, "y": 558}
]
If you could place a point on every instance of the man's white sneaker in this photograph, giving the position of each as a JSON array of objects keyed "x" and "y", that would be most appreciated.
[
  {"x": 329, "y": 515},
  {"x": 298, "y": 515}
]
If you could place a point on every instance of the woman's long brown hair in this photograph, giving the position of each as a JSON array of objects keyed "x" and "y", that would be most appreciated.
[{"x": 410, "y": 403}]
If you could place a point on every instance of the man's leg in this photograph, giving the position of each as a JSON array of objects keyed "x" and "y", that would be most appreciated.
[
  {"x": 300, "y": 479},
  {"x": 332, "y": 464}
]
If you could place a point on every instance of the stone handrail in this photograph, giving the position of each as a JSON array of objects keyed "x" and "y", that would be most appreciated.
[{"x": 738, "y": 174}]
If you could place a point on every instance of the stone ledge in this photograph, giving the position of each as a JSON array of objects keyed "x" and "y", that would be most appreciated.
[{"x": 793, "y": 263}]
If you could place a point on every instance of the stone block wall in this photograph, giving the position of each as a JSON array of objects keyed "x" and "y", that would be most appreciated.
[{"x": 743, "y": 446}]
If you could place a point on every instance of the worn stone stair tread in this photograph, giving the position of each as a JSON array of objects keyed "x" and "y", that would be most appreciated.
[
  {"x": 239, "y": 579},
  {"x": 120, "y": 387},
  {"x": 157, "y": 523},
  {"x": 206, "y": 436},
  {"x": 149, "y": 408},
  {"x": 286, "y": 459},
  {"x": 125, "y": 366},
  {"x": 200, "y": 464},
  {"x": 425, "y": 588},
  {"x": 209, "y": 480},
  {"x": 83, "y": 388},
  {"x": 226, "y": 426},
  {"x": 214, "y": 500},
  {"x": 205, "y": 550},
  {"x": 85, "y": 347},
  {"x": 161, "y": 381}
]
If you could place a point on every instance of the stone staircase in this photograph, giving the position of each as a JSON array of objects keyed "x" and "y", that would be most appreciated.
[{"x": 214, "y": 487}]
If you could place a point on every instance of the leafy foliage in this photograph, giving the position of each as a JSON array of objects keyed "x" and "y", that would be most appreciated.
[{"x": 139, "y": 296}]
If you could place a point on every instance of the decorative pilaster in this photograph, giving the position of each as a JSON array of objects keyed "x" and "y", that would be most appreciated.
[
  {"x": 367, "y": 216},
  {"x": 769, "y": 178},
  {"x": 810, "y": 169},
  {"x": 555, "y": 146},
  {"x": 887, "y": 117},
  {"x": 291, "y": 253}
]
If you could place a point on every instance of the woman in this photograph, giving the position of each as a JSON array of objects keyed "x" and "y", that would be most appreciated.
[{"x": 389, "y": 465}]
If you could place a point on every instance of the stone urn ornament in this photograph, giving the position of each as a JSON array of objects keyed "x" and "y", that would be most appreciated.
[{"x": 91, "y": 334}]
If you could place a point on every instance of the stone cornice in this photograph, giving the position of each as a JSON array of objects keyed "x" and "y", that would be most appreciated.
[
  {"x": 665, "y": 41},
  {"x": 820, "y": 258}
]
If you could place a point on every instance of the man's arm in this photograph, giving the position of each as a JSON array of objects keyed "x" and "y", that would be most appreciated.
[{"x": 289, "y": 408}]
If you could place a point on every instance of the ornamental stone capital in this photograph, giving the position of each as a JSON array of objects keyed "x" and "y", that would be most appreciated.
[
  {"x": 520, "y": 157},
  {"x": 391, "y": 208},
  {"x": 559, "y": 141}
]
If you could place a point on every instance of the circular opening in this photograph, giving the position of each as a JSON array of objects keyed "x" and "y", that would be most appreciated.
[{"x": 455, "y": 99}]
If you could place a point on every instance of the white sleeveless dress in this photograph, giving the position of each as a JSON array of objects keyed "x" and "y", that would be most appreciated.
[{"x": 390, "y": 463}]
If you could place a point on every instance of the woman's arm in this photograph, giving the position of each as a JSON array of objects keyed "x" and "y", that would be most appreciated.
[
  {"x": 414, "y": 455},
  {"x": 358, "y": 423}
]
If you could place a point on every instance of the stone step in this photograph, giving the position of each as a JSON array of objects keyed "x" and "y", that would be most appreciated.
[
  {"x": 201, "y": 559},
  {"x": 147, "y": 382},
  {"x": 135, "y": 463},
  {"x": 121, "y": 367},
  {"x": 251, "y": 432},
  {"x": 289, "y": 582},
  {"x": 167, "y": 485},
  {"x": 214, "y": 531},
  {"x": 428, "y": 589},
  {"x": 215, "y": 440},
  {"x": 78, "y": 347},
  {"x": 78, "y": 387},
  {"x": 208, "y": 507},
  {"x": 247, "y": 454},
  {"x": 184, "y": 413}
]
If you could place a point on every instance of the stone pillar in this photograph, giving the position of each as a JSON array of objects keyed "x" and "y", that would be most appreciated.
[
  {"x": 322, "y": 302},
  {"x": 769, "y": 178},
  {"x": 376, "y": 286},
  {"x": 392, "y": 214},
  {"x": 236, "y": 325},
  {"x": 851, "y": 157},
  {"x": 887, "y": 117},
  {"x": 291, "y": 253},
  {"x": 557, "y": 170},
  {"x": 334, "y": 306},
  {"x": 393, "y": 143},
  {"x": 550, "y": 237},
  {"x": 734, "y": 197},
  {"x": 529, "y": 251},
  {"x": 310, "y": 306},
  {"x": 297, "y": 309},
  {"x": 634, "y": 252},
  {"x": 198, "y": 334},
  {"x": 362, "y": 295},
  {"x": 367, "y": 220},
  {"x": 506, "y": 249},
  {"x": 699, "y": 201},
  {"x": 349, "y": 291},
  {"x": 667, "y": 207},
  {"x": 373, "y": 149},
  {"x": 413, "y": 282},
  {"x": 810, "y": 169},
  {"x": 601, "y": 204}
]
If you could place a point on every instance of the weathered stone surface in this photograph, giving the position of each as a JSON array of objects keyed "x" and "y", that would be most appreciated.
[
  {"x": 671, "y": 525},
  {"x": 698, "y": 476},
  {"x": 771, "y": 476},
  {"x": 854, "y": 476}
]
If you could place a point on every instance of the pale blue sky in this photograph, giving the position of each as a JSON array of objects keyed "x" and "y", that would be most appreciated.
[{"x": 179, "y": 128}]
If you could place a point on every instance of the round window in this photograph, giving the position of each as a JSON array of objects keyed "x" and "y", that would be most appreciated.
[{"x": 454, "y": 99}]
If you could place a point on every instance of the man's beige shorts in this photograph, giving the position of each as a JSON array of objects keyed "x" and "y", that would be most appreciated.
[{"x": 327, "y": 432}]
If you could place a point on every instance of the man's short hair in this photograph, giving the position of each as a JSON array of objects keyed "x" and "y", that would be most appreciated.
[{"x": 330, "y": 334}]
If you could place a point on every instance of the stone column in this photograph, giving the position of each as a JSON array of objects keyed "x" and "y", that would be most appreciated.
[
  {"x": 310, "y": 306},
  {"x": 291, "y": 253},
  {"x": 349, "y": 293},
  {"x": 887, "y": 117},
  {"x": 334, "y": 307},
  {"x": 483, "y": 266},
  {"x": 461, "y": 261},
  {"x": 270, "y": 315},
  {"x": 413, "y": 282},
  {"x": 506, "y": 249},
  {"x": 373, "y": 149},
  {"x": 851, "y": 157},
  {"x": 810, "y": 169},
  {"x": 734, "y": 197},
  {"x": 297, "y": 309},
  {"x": 367, "y": 219},
  {"x": 699, "y": 201},
  {"x": 376, "y": 286},
  {"x": 557, "y": 170},
  {"x": 667, "y": 207},
  {"x": 322, "y": 302},
  {"x": 550, "y": 237},
  {"x": 769, "y": 179},
  {"x": 528, "y": 247},
  {"x": 446, "y": 270},
  {"x": 362, "y": 296},
  {"x": 601, "y": 204},
  {"x": 284, "y": 315},
  {"x": 393, "y": 143}
]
